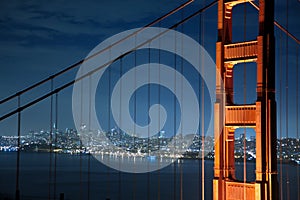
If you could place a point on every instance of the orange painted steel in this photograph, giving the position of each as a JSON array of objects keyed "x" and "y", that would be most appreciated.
[{"x": 261, "y": 115}]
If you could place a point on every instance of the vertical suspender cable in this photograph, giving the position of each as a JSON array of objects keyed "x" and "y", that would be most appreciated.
[
  {"x": 89, "y": 174},
  {"x": 181, "y": 100},
  {"x": 50, "y": 143},
  {"x": 159, "y": 102},
  {"x": 181, "y": 177},
  {"x": 82, "y": 129},
  {"x": 297, "y": 108},
  {"x": 280, "y": 114},
  {"x": 109, "y": 127},
  {"x": 148, "y": 121},
  {"x": 287, "y": 95},
  {"x": 56, "y": 130},
  {"x": 90, "y": 135},
  {"x": 202, "y": 111},
  {"x": 80, "y": 158},
  {"x": 134, "y": 115},
  {"x": 297, "y": 115},
  {"x": 18, "y": 152},
  {"x": 120, "y": 118},
  {"x": 175, "y": 113},
  {"x": 200, "y": 192}
]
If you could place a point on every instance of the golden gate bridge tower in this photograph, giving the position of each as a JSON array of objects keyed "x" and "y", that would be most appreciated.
[{"x": 261, "y": 115}]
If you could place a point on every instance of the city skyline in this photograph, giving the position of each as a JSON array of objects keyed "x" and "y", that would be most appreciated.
[{"x": 69, "y": 142}]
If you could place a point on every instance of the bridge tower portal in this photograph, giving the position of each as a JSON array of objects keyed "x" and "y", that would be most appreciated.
[{"x": 261, "y": 116}]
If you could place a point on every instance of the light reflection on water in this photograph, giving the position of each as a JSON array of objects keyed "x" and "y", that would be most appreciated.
[{"x": 75, "y": 178}]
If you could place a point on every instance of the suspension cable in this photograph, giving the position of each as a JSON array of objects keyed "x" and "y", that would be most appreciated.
[
  {"x": 148, "y": 122},
  {"x": 55, "y": 153},
  {"x": 297, "y": 115},
  {"x": 175, "y": 113},
  {"x": 97, "y": 53},
  {"x": 199, "y": 94},
  {"x": 83, "y": 127},
  {"x": 287, "y": 95},
  {"x": 89, "y": 175},
  {"x": 278, "y": 25},
  {"x": 80, "y": 172},
  {"x": 198, "y": 30},
  {"x": 280, "y": 113},
  {"x": 104, "y": 65},
  {"x": 159, "y": 103},
  {"x": 90, "y": 135},
  {"x": 120, "y": 120},
  {"x": 18, "y": 152},
  {"x": 202, "y": 109},
  {"x": 109, "y": 129},
  {"x": 50, "y": 142},
  {"x": 181, "y": 100},
  {"x": 134, "y": 114}
]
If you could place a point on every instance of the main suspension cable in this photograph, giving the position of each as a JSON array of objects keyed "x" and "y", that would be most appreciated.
[
  {"x": 97, "y": 53},
  {"x": 278, "y": 25}
]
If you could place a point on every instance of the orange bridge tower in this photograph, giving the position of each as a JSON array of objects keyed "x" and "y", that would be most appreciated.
[{"x": 261, "y": 116}]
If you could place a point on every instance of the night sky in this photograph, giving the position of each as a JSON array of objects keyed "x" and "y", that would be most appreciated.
[{"x": 39, "y": 38}]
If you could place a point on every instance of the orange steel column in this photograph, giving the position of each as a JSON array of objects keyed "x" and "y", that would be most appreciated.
[
  {"x": 224, "y": 36},
  {"x": 261, "y": 115},
  {"x": 266, "y": 156}
]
